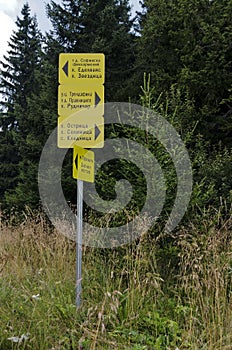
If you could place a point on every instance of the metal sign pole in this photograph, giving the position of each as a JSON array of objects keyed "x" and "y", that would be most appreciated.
[{"x": 79, "y": 242}]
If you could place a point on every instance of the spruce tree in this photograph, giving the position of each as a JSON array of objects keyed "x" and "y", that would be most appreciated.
[
  {"x": 187, "y": 43},
  {"x": 97, "y": 26},
  {"x": 19, "y": 83}
]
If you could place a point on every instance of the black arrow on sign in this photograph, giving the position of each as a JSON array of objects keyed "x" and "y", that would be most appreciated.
[
  {"x": 97, "y": 99},
  {"x": 97, "y": 132},
  {"x": 76, "y": 161},
  {"x": 65, "y": 68}
]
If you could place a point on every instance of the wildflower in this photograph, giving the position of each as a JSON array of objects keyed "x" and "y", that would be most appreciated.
[
  {"x": 35, "y": 296},
  {"x": 19, "y": 339},
  {"x": 14, "y": 339}
]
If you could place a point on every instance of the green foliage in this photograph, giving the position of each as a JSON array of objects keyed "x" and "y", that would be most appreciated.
[
  {"x": 18, "y": 72},
  {"x": 20, "y": 129},
  {"x": 153, "y": 331},
  {"x": 119, "y": 297},
  {"x": 97, "y": 26},
  {"x": 184, "y": 47},
  {"x": 210, "y": 169},
  {"x": 8, "y": 162},
  {"x": 188, "y": 44},
  {"x": 125, "y": 302},
  {"x": 211, "y": 166},
  {"x": 162, "y": 291},
  {"x": 216, "y": 172}
]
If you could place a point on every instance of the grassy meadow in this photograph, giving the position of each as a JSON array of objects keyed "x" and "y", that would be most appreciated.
[{"x": 146, "y": 295}]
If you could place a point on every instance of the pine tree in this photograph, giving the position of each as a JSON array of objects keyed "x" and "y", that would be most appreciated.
[
  {"x": 19, "y": 83},
  {"x": 188, "y": 43},
  {"x": 97, "y": 26},
  {"x": 87, "y": 27}
]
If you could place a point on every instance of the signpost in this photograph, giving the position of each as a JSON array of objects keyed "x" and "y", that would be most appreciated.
[
  {"x": 74, "y": 98},
  {"x": 82, "y": 129},
  {"x": 83, "y": 170},
  {"x": 82, "y": 68},
  {"x": 83, "y": 164},
  {"x": 81, "y": 78},
  {"x": 81, "y": 125}
]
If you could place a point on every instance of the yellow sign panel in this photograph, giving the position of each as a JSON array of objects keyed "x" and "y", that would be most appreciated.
[
  {"x": 82, "y": 68},
  {"x": 83, "y": 164},
  {"x": 72, "y": 98},
  {"x": 81, "y": 129}
]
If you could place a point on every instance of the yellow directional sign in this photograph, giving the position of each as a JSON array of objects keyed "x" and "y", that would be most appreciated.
[
  {"x": 81, "y": 129},
  {"x": 81, "y": 100},
  {"x": 83, "y": 164},
  {"x": 81, "y": 67},
  {"x": 72, "y": 98}
]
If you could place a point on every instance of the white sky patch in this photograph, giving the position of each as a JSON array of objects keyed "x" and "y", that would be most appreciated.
[
  {"x": 7, "y": 25},
  {"x": 10, "y": 9},
  {"x": 134, "y": 4},
  {"x": 10, "y": 6}
]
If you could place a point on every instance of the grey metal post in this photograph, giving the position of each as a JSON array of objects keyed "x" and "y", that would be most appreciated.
[{"x": 79, "y": 242}]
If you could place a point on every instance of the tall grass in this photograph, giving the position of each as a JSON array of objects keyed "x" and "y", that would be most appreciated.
[
  {"x": 206, "y": 282},
  {"x": 125, "y": 302}
]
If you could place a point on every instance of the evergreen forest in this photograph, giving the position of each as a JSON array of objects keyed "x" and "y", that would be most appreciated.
[{"x": 165, "y": 290}]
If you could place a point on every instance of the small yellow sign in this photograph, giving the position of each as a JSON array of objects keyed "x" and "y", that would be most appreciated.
[
  {"x": 82, "y": 68},
  {"x": 83, "y": 164},
  {"x": 72, "y": 98},
  {"x": 83, "y": 128}
]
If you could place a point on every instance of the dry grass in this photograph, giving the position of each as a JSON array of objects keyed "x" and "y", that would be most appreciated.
[
  {"x": 125, "y": 304},
  {"x": 206, "y": 284}
]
